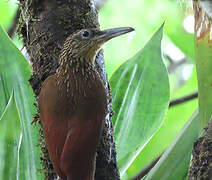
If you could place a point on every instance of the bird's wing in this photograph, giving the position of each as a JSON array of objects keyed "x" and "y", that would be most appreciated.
[
  {"x": 54, "y": 131},
  {"x": 79, "y": 150}
]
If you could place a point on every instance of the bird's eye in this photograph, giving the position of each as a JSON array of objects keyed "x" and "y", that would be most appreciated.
[{"x": 85, "y": 34}]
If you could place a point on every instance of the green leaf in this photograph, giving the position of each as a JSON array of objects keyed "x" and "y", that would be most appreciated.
[
  {"x": 10, "y": 139},
  {"x": 140, "y": 89},
  {"x": 14, "y": 75},
  {"x": 175, "y": 120},
  {"x": 174, "y": 163}
]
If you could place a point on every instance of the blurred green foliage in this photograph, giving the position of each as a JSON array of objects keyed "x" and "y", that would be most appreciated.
[
  {"x": 7, "y": 12},
  {"x": 174, "y": 163},
  {"x": 145, "y": 16}
]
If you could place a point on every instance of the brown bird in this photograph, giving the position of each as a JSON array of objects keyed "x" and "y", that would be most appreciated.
[{"x": 73, "y": 105}]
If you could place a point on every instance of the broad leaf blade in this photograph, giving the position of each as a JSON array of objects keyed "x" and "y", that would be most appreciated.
[
  {"x": 14, "y": 75},
  {"x": 175, "y": 120},
  {"x": 140, "y": 89},
  {"x": 174, "y": 163},
  {"x": 10, "y": 139}
]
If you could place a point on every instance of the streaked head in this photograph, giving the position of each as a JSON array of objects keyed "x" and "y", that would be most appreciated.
[{"x": 87, "y": 42}]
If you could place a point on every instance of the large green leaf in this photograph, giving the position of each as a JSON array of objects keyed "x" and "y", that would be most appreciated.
[
  {"x": 14, "y": 74},
  {"x": 140, "y": 89},
  {"x": 174, "y": 163},
  {"x": 10, "y": 139},
  {"x": 176, "y": 118}
]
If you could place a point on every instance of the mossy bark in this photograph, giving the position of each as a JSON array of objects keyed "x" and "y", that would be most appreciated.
[
  {"x": 201, "y": 164},
  {"x": 44, "y": 25}
]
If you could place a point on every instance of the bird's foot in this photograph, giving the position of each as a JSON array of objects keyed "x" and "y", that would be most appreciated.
[{"x": 35, "y": 120}]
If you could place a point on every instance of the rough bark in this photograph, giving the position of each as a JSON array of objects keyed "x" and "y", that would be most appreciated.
[
  {"x": 201, "y": 164},
  {"x": 44, "y": 25}
]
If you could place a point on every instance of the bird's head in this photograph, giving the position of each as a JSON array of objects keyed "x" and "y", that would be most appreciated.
[{"x": 86, "y": 43}]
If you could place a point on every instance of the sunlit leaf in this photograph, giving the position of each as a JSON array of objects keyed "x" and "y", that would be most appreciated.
[
  {"x": 140, "y": 89},
  {"x": 14, "y": 75},
  {"x": 174, "y": 163}
]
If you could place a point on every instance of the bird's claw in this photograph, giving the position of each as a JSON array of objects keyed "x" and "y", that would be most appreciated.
[{"x": 35, "y": 120}]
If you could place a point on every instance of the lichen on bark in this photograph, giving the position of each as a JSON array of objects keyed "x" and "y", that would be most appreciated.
[{"x": 44, "y": 26}]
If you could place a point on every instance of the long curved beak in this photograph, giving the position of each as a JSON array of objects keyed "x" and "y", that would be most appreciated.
[{"x": 111, "y": 33}]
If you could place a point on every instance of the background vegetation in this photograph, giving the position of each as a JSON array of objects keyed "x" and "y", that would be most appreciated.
[{"x": 146, "y": 16}]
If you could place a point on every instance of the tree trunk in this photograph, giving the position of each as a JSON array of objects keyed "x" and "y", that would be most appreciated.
[
  {"x": 201, "y": 163},
  {"x": 44, "y": 25}
]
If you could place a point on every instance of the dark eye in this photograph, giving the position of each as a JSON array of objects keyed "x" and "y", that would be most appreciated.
[{"x": 85, "y": 34}]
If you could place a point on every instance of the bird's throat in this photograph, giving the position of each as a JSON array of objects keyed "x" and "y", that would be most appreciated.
[{"x": 73, "y": 75}]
